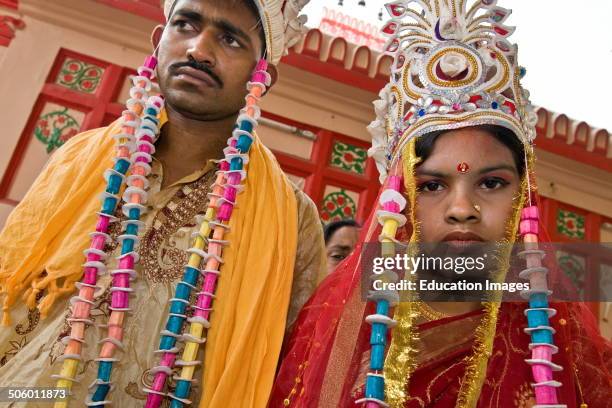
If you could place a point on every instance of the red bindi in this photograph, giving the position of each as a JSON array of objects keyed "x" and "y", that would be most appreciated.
[{"x": 463, "y": 167}]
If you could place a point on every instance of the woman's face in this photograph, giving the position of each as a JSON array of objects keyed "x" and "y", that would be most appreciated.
[{"x": 462, "y": 207}]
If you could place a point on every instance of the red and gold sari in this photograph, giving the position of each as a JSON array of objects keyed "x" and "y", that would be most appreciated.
[{"x": 326, "y": 358}]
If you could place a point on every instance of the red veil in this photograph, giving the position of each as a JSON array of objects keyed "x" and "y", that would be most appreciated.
[{"x": 325, "y": 358}]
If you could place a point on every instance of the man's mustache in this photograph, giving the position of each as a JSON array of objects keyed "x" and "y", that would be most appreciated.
[{"x": 199, "y": 66}]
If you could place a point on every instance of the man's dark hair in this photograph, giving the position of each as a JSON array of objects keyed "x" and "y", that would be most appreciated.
[{"x": 331, "y": 228}]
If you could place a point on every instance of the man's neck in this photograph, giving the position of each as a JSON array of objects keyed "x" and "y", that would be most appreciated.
[{"x": 185, "y": 145}]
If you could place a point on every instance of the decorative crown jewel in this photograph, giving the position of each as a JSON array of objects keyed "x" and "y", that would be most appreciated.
[
  {"x": 282, "y": 24},
  {"x": 453, "y": 67}
]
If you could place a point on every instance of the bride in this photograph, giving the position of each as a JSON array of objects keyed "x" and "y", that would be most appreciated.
[{"x": 453, "y": 141}]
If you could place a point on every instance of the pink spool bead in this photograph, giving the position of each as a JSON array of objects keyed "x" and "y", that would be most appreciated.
[
  {"x": 546, "y": 395},
  {"x": 371, "y": 404},
  {"x": 103, "y": 222},
  {"x": 529, "y": 227},
  {"x": 90, "y": 277},
  {"x": 259, "y": 77},
  {"x": 225, "y": 212},
  {"x": 541, "y": 373},
  {"x": 530, "y": 213},
  {"x": 262, "y": 65},
  {"x": 395, "y": 182},
  {"x": 97, "y": 242},
  {"x": 145, "y": 148},
  {"x": 230, "y": 193},
  {"x": 542, "y": 353},
  {"x": 224, "y": 166},
  {"x": 234, "y": 179},
  {"x": 209, "y": 284},
  {"x": 391, "y": 206},
  {"x": 91, "y": 257}
]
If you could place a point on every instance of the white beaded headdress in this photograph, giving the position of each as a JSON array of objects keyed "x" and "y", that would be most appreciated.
[
  {"x": 453, "y": 67},
  {"x": 282, "y": 24}
]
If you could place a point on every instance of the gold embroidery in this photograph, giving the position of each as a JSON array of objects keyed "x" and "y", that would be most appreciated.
[{"x": 161, "y": 260}]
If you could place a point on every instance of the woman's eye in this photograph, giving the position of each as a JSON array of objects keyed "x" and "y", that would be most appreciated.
[
  {"x": 431, "y": 186},
  {"x": 231, "y": 41},
  {"x": 338, "y": 257},
  {"x": 493, "y": 183}
]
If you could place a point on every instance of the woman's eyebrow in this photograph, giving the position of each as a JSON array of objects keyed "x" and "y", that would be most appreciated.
[
  {"x": 432, "y": 173},
  {"x": 497, "y": 167}
]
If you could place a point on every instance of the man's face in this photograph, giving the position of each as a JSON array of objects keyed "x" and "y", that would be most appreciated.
[{"x": 206, "y": 55}]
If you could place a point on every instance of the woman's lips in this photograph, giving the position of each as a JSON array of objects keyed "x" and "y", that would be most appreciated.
[{"x": 462, "y": 239}]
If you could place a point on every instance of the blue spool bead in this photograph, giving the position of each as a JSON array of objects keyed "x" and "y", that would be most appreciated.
[
  {"x": 377, "y": 357},
  {"x": 151, "y": 111},
  {"x": 382, "y": 307},
  {"x": 122, "y": 166},
  {"x": 191, "y": 275},
  {"x": 182, "y": 388},
  {"x": 104, "y": 370},
  {"x": 542, "y": 336},
  {"x": 177, "y": 307},
  {"x": 174, "y": 324},
  {"x": 247, "y": 126},
  {"x": 114, "y": 184},
  {"x": 538, "y": 300},
  {"x": 166, "y": 342},
  {"x": 127, "y": 246},
  {"x": 100, "y": 393},
  {"x": 134, "y": 214},
  {"x": 236, "y": 163},
  {"x": 131, "y": 229},
  {"x": 244, "y": 144},
  {"x": 375, "y": 387},
  {"x": 175, "y": 403},
  {"x": 108, "y": 207},
  {"x": 537, "y": 318},
  {"x": 379, "y": 334},
  {"x": 182, "y": 291}
]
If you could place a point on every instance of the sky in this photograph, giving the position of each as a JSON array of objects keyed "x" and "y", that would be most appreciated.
[{"x": 566, "y": 46}]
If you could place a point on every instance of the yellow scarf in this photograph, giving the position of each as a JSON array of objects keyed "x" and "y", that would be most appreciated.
[{"x": 41, "y": 249}]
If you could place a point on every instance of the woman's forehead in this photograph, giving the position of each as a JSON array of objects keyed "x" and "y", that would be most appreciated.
[{"x": 476, "y": 147}]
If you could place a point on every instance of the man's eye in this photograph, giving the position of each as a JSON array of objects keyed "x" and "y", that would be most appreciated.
[
  {"x": 231, "y": 41},
  {"x": 183, "y": 25},
  {"x": 431, "y": 186},
  {"x": 493, "y": 183}
]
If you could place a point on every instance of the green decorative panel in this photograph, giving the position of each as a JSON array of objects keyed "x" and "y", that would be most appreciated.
[
  {"x": 56, "y": 126},
  {"x": 338, "y": 205},
  {"x": 348, "y": 157},
  {"x": 79, "y": 76},
  {"x": 574, "y": 267},
  {"x": 570, "y": 224}
]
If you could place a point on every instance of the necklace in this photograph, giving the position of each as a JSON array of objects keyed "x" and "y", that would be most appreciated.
[{"x": 429, "y": 312}]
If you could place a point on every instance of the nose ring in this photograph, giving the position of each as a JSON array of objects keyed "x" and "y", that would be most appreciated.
[{"x": 477, "y": 207}]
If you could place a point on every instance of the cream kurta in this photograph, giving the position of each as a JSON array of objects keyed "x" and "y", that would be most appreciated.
[{"x": 173, "y": 216}]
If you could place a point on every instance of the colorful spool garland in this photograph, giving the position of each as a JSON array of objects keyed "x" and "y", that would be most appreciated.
[
  {"x": 538, "y": 313},
  {"x": 390, "y": 218},
  {"x": 139, "y": 134},
  {"x": 216, "y": 219},
  {"x": 95, "y": 255},
  {"x": 542, "y": 345}
]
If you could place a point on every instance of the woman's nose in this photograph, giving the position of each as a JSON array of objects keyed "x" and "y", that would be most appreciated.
[{"x": 461, "y": 209}]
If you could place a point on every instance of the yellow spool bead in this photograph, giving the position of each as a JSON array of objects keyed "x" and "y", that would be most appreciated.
[
  {"x": 191, "y": 348},
  {"x": 390, "y": 227}
]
